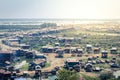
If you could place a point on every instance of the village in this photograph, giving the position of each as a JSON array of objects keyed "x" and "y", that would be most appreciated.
[{"x": 40, "y": 53}]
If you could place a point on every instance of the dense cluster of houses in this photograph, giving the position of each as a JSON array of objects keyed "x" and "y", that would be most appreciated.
[
  {"x": 68, "y": 49},
  {"x": 8, "y": 57}
]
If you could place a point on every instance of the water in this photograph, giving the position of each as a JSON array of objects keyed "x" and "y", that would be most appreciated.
[
  {"x": 22, "y": 79},
  {"x": 49, "y": 78},
  {"x": 58, "y": 21}
]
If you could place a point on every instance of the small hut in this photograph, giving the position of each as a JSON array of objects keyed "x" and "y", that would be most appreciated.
[
  {"x": 104, "y": 54},
  {"x": 89, "y": 48},
  {"x": 79, "y": 52},
  {"x": 67, "y": 50},
  {"x": 96, "y": 50},
  {"x": 24, "y": 46},
  {"x": 88, "y": 67},
  {"x": 59, "y": 52},
  {"x": 57, "y": 44},
  {"x": 29, "y": 54},
  {"x": 113, "y": 50},
  {"x": 67, "y": 45},
  {"x": 46, "y": 49}
]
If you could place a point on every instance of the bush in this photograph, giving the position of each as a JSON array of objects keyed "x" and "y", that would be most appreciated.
[
  {"x": 106, "y": 76},
  {"x": 67, "y": 75}
]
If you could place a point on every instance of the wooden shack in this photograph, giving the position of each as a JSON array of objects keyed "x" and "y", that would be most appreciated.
[
  {"x": 57, "y": 44},
  {"x": 46, "y": 49},
  {"x": 113, "y": 50},
  {"x": 73, "y": 50},
  {"x": 29, "y": 54},
  {"x": 20, "y": 52},
  {"x": 59, "y": 52},
  {"x": 96, "y": 50},
  {"x": 67, "y": 45},
  {"x": 24, "y": 46},
  {"x": 89, "y": 48},
  {"x": 104, "y": 54},
  {"x": 67, "y": 50}
]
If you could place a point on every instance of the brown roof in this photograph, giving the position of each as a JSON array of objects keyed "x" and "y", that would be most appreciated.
[
  {"x": 38, "y": 61},
  {"x": 72, "y": 60},
  {"x": 4, "y": 72}
]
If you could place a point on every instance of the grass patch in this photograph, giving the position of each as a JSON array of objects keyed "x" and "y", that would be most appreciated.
[
  {"x": 25, "y": 67},
  {"x": 47, "y": 65}
]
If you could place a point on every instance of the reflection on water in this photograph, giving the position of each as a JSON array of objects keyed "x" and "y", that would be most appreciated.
[
  {"x": 24, "y": 79},
  {"x": 20, "y": 79},
  {"x": 49, "y": 78}
]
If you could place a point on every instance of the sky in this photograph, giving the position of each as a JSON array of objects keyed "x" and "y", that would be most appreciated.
[{"x": 77, "y": 9}]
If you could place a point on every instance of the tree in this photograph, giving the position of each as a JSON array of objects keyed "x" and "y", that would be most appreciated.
[
  {"x": 106, "y": 76},
  {"x": 44, "y": 25},
  {"x": 85, "y": 77},
  {"x": 67, "y": 75}
]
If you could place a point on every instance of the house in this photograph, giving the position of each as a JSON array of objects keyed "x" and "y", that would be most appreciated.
[
  {"x": 114, "y": 65},
  {"x": 57, "y": 44},
  {"x": 67, "y": 50},
  {"x": 2, "y": 35},
  {"x": 104, "y": 54},
  {"x": 35, "y": 63},
  {"x": 67, "y": 45},
  {"x": 88, "y": 67},
  {"x": 96, "y": 50},
  {"x": 24, "y": 46},
  {"x": 20, "y": 52},
  {"x": 6, "y": 56},
  {"x": 79, "y": 52},
  {"x": 14, "y": 42},
  {"x": 47, "y": 49},
  {"x": 88, "y": 48},
  {"x": 59, "y": 52},
  {"x": 69, "y": 40},
  {"x": 5, "y": 75},
  {"x": 65, "y": 39},
  {"x": 29, "y": 54},
  {"x": 40, "y": 56},
  {"x": 73, "y": 50},
  {"x": 97, "y": 69},
  {"x": 113, "y": 50}
]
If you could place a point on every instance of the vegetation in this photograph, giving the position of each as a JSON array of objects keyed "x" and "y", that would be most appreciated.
[
  {"x": 106, "y": 76},
  {"x": 12, "y": 28},
  {"x": 89, "y": 77},
  {"x": 67, "y": 75},
  {"x": 25, "y": 67},
  {"x": 44, "y": 25},
  {"x": 115, "y": 78},
  {"x": 47, "y": 65}
]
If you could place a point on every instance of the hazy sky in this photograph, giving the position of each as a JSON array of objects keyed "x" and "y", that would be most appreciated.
[{"x": 81, "y": 9}]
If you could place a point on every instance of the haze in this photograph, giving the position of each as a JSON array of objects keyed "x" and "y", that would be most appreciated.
[{"x": 78, "y": 9}]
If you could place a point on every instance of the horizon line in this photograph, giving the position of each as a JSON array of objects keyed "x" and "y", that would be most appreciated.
[{"x": 61, "y": 18}]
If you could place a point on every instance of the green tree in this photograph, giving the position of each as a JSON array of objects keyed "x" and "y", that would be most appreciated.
[
  {"x": 89, "y": 77},
  {"x": 106, "y": 76},
  {"x": 68, "y": 75}
]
